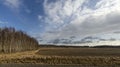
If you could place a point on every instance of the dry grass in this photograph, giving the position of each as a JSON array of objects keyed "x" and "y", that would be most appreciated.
[{"x": 37, "y": 57}]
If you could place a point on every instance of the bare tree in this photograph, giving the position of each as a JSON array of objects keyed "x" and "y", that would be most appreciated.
[{"x": 15, "y": 41}]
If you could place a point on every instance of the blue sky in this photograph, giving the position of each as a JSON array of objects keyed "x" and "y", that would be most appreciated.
[
  {"x": 48, "y": 20},
  {"x": 24, "y": 16}
]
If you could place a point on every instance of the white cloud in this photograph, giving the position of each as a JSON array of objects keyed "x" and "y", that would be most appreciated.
[
  {"x": 40, "y": 17},
  {"x": 1, "y": 22},
  {"x": 14, "y": 4},
  {"x": 59, "y": 12},
  {"x": 74, "y": 18},
  {"x": 28, "y": 11}
]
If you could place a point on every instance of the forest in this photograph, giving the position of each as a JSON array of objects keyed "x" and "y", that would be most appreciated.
[{"x": 12, "y": 40}]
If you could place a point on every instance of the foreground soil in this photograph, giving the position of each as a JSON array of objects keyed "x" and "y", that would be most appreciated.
[{"x": 77, "y": 56}]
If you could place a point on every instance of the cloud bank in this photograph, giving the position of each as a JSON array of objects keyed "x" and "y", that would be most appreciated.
[{"x": 68, "y": 18}]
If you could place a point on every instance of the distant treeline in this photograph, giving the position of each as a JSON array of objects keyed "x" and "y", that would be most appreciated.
[
  {"x": 15, "y": 41},
  {"x": 106, "y": 46},
  {"x": 65, "y": 46}
]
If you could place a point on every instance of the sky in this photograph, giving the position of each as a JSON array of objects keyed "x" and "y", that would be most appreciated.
[{"x": 48, "y": 20}]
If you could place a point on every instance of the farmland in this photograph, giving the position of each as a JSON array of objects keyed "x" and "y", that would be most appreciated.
[
  {"x": 80, "y": 51},
  {"x": 65, "y": 56}
]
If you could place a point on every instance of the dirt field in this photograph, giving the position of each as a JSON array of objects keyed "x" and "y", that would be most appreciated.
[
  {"x": 69, "y": 56},
  {"x": 80, "y": 51}
]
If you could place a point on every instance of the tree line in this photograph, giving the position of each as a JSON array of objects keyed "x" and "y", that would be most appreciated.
[{"x": 12, "y": 40}]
